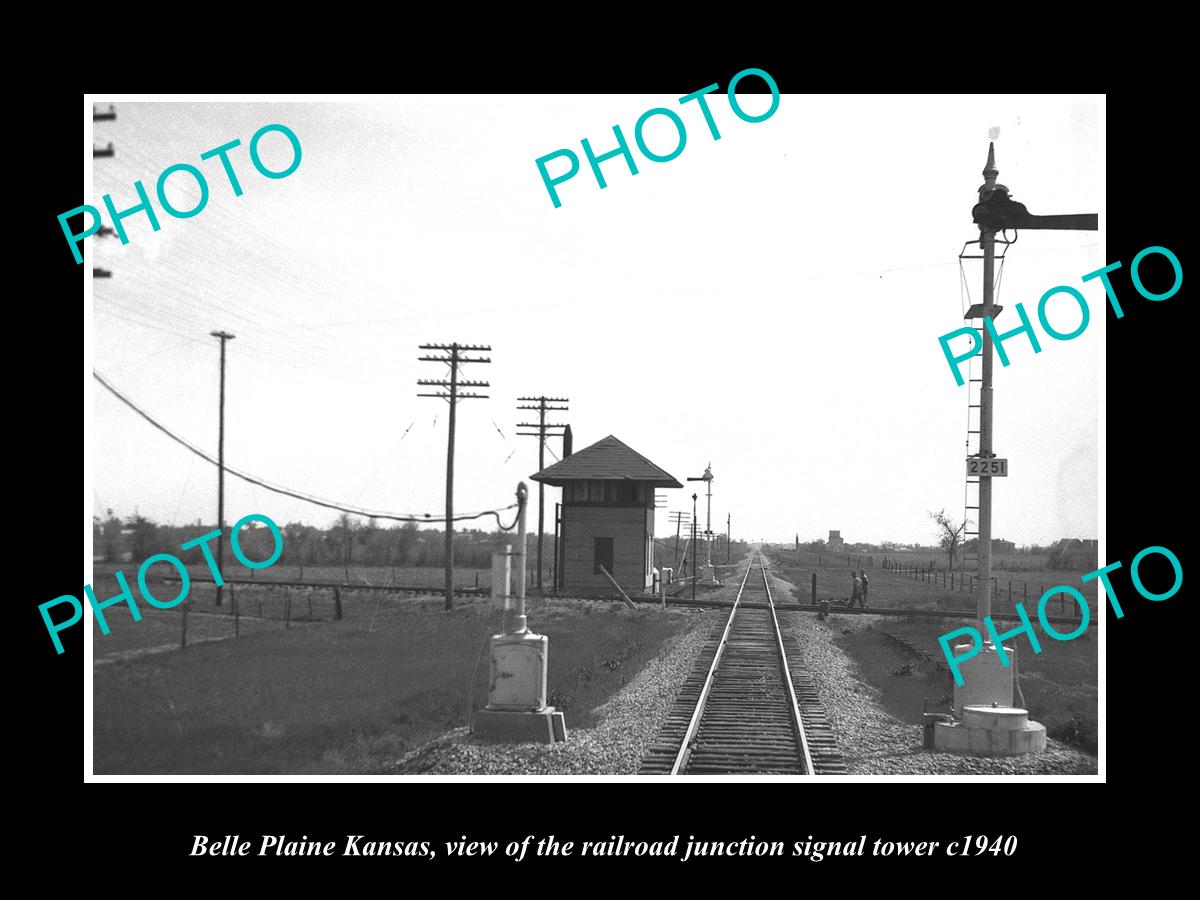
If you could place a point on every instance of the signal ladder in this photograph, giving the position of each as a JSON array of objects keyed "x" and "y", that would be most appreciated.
[
  {"x": 970, "y": 557},
  {"x": 973, "y": 314}
]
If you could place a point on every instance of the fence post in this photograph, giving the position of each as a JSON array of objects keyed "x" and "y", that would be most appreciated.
[
  {"x": 814, "y": 588},
  {"x": 287, "y": 607},
  {"x": 183, "y": 638},
  {"x": 337, "y": 603},
  {"x": 1010, "y": 592}
]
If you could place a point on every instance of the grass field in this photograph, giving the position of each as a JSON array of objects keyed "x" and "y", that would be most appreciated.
[
  {"x": 408, "y": 576},
  {"x": 891, "y": 589},
  {"x": 335, "y": 697},
  {"x": 1060, "y": 684}
]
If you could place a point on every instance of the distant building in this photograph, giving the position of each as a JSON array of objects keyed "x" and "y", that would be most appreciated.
[
  {"x": 835, "y": 544},
  {"x": 1074, "y": 553},
  {"x": 607, "y": 516}
]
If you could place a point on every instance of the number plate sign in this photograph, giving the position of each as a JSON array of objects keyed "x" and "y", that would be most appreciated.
[{"x": 987, "y": 468}]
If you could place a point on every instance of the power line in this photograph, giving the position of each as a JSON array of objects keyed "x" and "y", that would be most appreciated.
[{"x": 395, "y": 517}]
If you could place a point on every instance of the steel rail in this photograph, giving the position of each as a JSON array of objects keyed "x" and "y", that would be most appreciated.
[
  {"x": 685, "y": 748},
  {"x": 793, "y": 706}
]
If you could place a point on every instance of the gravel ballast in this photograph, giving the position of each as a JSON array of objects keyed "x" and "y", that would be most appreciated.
[
  {"x": 873, "y": 741},
  {"x": 876, "y": 743},
  {"x": 627, "y": 724}
]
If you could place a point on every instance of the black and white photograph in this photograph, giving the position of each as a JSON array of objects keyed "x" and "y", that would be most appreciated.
[{"x": 702, "y": 433}]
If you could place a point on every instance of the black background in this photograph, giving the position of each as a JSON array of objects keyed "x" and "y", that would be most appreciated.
[{"x": 1149, "y": 174}]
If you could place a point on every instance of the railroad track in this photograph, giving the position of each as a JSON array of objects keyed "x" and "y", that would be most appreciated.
[{"x": 749, "y": 705}]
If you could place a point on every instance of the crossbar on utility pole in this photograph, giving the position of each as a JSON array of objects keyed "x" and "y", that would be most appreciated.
[
  {"x": 223, "y": 336},
  {"x": 543, "y": 405},
  {"x": 451, "y": 391}
]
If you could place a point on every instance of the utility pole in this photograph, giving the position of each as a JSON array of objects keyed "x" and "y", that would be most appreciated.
[
  {"x": 695, "y": 574},
  {"x": 996, "y": 212},
  {"x": 680, "y": 518},
  {"x": 105, "y": 230},
  {"x": 223, "y": 336},
  {"x": 458, "y": 355},
  {"x": 543, "y": 406}
]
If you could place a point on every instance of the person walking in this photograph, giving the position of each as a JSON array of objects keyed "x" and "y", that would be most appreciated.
[
  {"x": 866, "y": 583},
  {"x": 855, "y": 589}
]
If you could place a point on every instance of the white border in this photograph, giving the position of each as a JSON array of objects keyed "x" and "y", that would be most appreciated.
[{"x": 90, "y": 99}]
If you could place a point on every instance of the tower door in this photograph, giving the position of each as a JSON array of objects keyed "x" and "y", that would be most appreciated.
[{"x": 603, "y": 550}]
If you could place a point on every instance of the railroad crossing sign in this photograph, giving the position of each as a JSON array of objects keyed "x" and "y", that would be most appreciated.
[{"x": 987, "y": 468}]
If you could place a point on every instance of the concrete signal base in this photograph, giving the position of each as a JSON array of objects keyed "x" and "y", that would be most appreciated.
[
  {"x": 990, "y": 731},
  {"x": 542, "y": 726},
  {"x": 987, "y": 723}
]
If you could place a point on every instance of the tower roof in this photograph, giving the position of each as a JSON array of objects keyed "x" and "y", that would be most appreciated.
[{"x": 606, "y": 460}]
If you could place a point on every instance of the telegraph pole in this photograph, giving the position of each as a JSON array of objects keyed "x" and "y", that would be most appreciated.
[
  {"x": 223, "y": 336},
  {"x": 458, "y": 355},
  {"x": 695, "y": 574},
  {"x": 543, "y": 406},
  {"x": 680, "y": 518},
  {"x": 105, "y": 230}
]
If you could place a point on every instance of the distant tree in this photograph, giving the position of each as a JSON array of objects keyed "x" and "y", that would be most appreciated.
[
  {"x": 110, "y": 537},
  {"x": 144, "y": 533},
  {"x": 365, "y": 535},
  {"x": 343, "y": 535},
  {"x": 949, "y": 534},
  {"x": 294, "y": 535},
  {"x": 406, "y": 544}
]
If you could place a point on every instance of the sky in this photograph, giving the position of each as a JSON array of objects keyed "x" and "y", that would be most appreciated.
[{"x": 769, "y": 302}]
